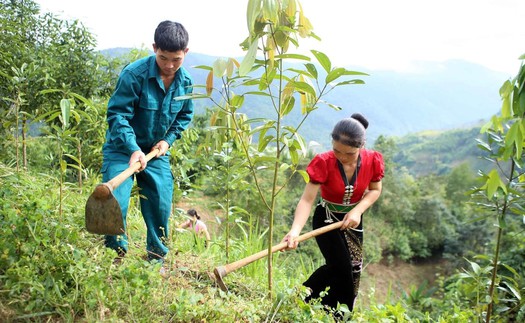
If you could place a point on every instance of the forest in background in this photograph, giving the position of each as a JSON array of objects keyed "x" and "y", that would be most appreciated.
[{"x": 52, "y": 269}]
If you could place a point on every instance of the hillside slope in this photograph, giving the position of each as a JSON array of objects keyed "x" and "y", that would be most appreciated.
[{"x": 438, "y": 152}]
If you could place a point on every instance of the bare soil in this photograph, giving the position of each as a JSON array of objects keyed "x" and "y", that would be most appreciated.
[{"x": 388, "y": 281}]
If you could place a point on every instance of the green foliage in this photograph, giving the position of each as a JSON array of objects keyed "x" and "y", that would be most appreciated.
[
  {"x": 273, "y": 26},
  {"x": 41, "y": 52},
  {"x": 51, "y": 269},
  {"x": 439, "y": 152},
  {"x": 501, "y": 193}
]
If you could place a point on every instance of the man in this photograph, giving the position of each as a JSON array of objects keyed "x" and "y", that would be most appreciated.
[{"x": 143, "y": 115}]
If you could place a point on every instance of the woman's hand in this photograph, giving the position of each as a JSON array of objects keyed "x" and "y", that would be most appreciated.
[
  {"x": 351, "y": 220},
  {"x": 291, "y": 240},
  {"x": 302, "y": 212}
]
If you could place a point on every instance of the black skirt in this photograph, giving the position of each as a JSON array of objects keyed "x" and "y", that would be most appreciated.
[{"x": 343, "y": 254}]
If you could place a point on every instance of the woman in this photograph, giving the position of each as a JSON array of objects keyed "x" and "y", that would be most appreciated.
[
  {"x": 349, "y": 177},
  {"x": 196, "y": 224}
]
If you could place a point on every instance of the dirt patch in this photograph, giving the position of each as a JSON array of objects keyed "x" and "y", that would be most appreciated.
[{"x": 386, "y": 281}]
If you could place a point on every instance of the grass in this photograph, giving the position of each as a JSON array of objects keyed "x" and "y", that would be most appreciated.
[{"x": 53, "y": 270}]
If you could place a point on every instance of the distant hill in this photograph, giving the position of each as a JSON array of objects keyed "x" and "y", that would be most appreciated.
[
  {"x": 438, "y": 152},
  {"x": 437, "y": 96},
  {"x": 434, "y": 96}
]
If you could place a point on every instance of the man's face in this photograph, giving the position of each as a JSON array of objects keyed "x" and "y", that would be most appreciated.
[{"x": 169, "y": 62}]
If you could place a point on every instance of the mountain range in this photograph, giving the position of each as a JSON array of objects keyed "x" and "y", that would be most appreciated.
[
  {"x": 446, "y": 95},
  {"x": 433, "y": 96}
]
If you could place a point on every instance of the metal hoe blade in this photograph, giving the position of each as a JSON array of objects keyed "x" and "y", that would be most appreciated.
[{"x": 103, "y": 213}]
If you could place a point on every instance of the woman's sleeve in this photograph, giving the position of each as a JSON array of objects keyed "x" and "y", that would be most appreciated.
[
  {"x": 378, "y": 167},
  {"x": 317, "y": 170}
]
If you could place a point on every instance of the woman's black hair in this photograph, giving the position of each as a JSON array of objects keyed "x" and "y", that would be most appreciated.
[
  {"x": 351, "y": 131},
  {"x": 193, "y": 212}
]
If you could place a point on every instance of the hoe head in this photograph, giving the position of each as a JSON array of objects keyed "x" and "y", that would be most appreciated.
[
  {"x": 103, "y": 213},
  {"x": 219, "y": 273}
]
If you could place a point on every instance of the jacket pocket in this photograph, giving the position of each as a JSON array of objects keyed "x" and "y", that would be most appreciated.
[{"x": 176, "y": 105}]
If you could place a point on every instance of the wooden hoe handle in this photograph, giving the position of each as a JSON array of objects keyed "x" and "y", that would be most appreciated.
[
  {"x": 117, "y": 180},
  {"x": 222, "y": 271}
]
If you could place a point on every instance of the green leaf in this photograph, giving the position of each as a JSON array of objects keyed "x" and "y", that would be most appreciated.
[
  {"x": 304, "y": 87},
  {"x": 493, "y": 183},
  {"x": 261, "y": 93},
  {"x": 505, "y": 108},
  {"x": 350, "y": 82},
  {"x": 514, "y": 291},
  {"x": 506, "y": 89},
  {"x": 65, "y": 107},
  {"x": 475, "y": 267},
  {"x": 270, "y": 11},
  {"x": 265, "y": 121},
  {"x": 253, "y": 10},
  {"x": 334, "y": 74},
  {"x": 63, "y": 165},
  {"x": 287, "y": 105},
  {"x": 301, "y": 72},
  {"x": 483, "y": 145},
  {"x": 219, "y": 67},
  {"x": 301, "y": 143},
  {"x": 294, "y": 156},
  {"x": 520, "y": 109},
  {"x": 249, "y": 59},
  {"x": 73, "y": 158},
  {"x": 263, "y": 142},
  {"x": 514, "y": 139},
  {"x": 305, "y": 175},
  {"x": 261, "y": 159},
  {"x": 237, "y": 100},
  {"x": 311, "y": 68},
  {"x": 293, "y": 56},
  {"x": 323, "y": 60},
  {"x": 204, "y": 67}
]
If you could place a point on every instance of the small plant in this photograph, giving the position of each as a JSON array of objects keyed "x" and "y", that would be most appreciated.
[
  {"x": 502, "y": 192},
  {"x": 267, "y": 80}
]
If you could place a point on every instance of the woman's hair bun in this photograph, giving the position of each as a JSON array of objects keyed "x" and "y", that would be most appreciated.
[{"x": 359, "y": 117}]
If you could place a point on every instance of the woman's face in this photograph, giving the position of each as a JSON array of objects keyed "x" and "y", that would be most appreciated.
[{"x": 344, "y": 153}]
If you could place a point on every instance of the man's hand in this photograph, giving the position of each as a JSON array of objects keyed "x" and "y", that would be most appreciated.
[
  {"x": 138, "y": 156},
  {"x": 162, "y": 146}
]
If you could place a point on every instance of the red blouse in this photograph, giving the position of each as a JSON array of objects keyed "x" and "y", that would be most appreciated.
[{"x": 323, "y": 170}]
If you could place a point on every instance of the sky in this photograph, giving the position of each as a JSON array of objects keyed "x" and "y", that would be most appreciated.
[{"x": 374, "y": 34}]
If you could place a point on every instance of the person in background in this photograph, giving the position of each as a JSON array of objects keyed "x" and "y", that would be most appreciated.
[
  {"x": 197, "y": 225},
  {"x": 143, "y": 115},
  {"x": 349, "y": 178}
]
